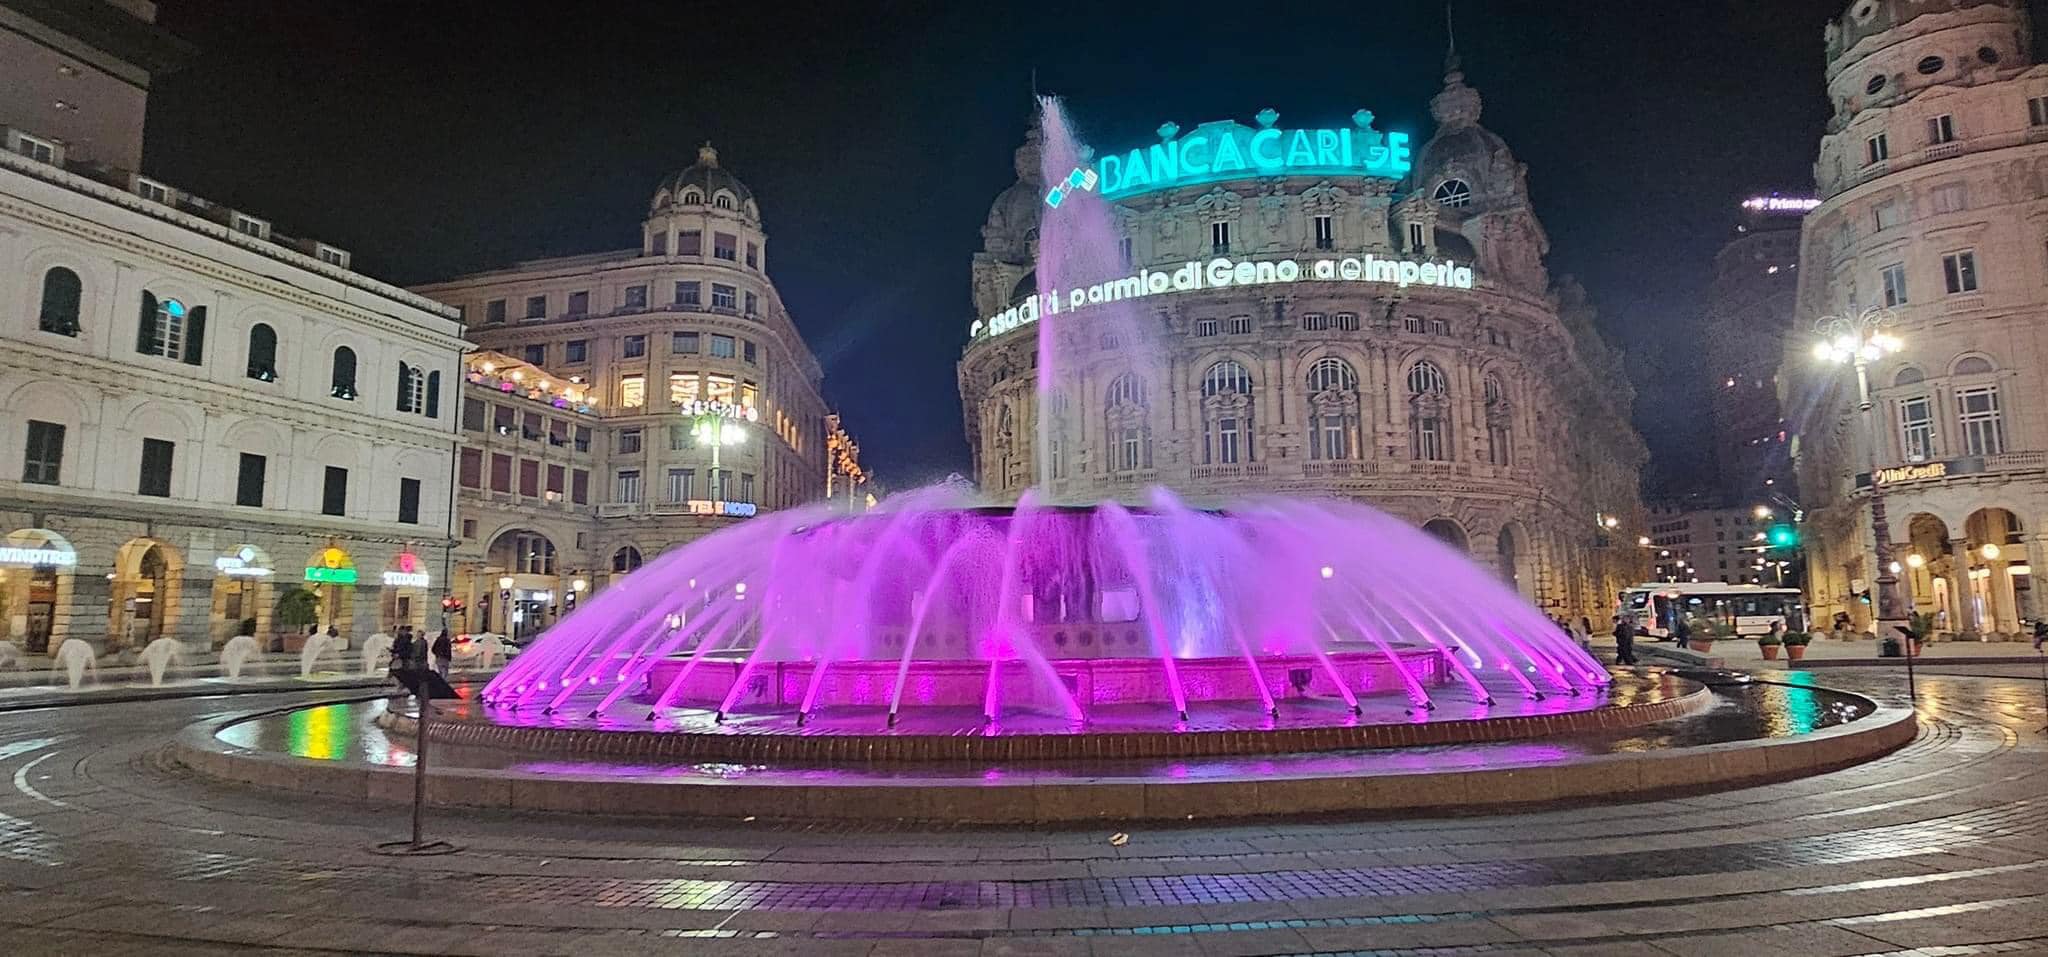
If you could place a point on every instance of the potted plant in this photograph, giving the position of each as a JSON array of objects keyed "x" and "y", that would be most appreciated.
[
  {"x": 1919, "y": 627},
  {"x": 1768, "y": 643},
  {"x": 1795, "y": 644},
  {"x": 297, "y": 608},
  {"x": 1704, "y": 631}
]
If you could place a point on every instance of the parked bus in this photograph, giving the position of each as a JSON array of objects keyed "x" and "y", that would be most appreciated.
[{"x": 1751, "y": 609}]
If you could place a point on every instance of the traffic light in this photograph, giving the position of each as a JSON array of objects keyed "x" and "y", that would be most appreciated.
[{"x": 1782, "y": 535}]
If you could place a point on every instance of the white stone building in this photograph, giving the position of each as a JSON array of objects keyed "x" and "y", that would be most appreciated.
[
  {"x": 628, "y": 402},
  {"x": 1934, "y": 176},
  {"x": 1486, "y": 411}
]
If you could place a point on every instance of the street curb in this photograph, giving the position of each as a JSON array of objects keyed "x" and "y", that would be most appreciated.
[
  {"x": 72, "y": 699},
  {"x": 1922, "y": 661}
]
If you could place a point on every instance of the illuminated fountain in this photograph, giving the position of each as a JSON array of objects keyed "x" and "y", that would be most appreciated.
[{"x": 1068, "y": 618}]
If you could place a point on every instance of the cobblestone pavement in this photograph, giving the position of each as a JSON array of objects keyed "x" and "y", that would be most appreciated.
[{"x": 1936, "y": 849}]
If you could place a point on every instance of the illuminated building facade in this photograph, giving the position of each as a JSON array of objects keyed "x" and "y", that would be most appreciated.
[
  {"x": 1933, "y": 173},
  {"x": 198, "y": 414},
  {"x": 1748, "y": 313},
  {"x": 1329, "y": 321},
  {"x": 627, "y": 402}
]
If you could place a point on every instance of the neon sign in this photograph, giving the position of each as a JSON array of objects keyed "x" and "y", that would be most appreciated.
[
  {"x": 728, "y": 509},
  {"x": 242, "y": 564},
  {"x": 409, "y": 573},
  {"x": 37, "y": 557},
  {"x": 335, "y": 568},
  {"x": 1226, "y": 149},
  {"x": 723, "y": 410},
  {"x": 1781, "y": 204},
  {"x": 1223, "y": 273}
]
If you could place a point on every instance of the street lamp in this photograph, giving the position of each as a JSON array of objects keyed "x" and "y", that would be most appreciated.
[
  {"x": 1860, "y": 340},
  {"x": 717, "y": 432}
]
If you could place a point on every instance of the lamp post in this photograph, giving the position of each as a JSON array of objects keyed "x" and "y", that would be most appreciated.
[
  {"x": 717, "y": 432},
  {"x": 1859, "y": 340}
]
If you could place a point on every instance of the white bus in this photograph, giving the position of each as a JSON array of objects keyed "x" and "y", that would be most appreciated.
[{"x": 1751, "y": 609}]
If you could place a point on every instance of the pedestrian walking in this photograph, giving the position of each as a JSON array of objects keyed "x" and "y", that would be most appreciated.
[
  {"x": 1624, "y": 640},
  {"x": 401, "y": 649},
  {"x": 444, "y": 653},
  {"x": 1683, "y": 631}
]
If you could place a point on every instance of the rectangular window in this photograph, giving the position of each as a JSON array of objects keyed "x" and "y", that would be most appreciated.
[
  {"x": 334, "y": 491},
  {"x": 1240, "y": 325},
  {"x": 45, "y": 458},
  {"x": 471, "y": 468},
  {"x": 1315, "y": 322},
  {"x": 1983, "y": 426},
  {"x": 690, "y": 242},
  {"x": 1415, "y": 236},
  {"x": 1893, "y": 278},
  {"x": 636, "y": 297},
  {"x": 1439, "y": 327},
  {"x": 554, "y": 487},
  {"x": 583, "y": 438},
  {"x": 1219, "y": 236},
  {"x": 1960, "y": 271},
  {"x": 657, "y": 244},
  {"x": 681, "y": 437},
  {"x": 2037, "y": 111},
  {"x": 722, "y": 347},
  {"x": 494, "y": 311},
  {"x": 249, "y": 480},
  {"x": 250, "y": 226},
  {"x": 684, "y": 343},
  {"x": 530, "y": 427},
  {"x": 1950, "y": 198},
  {"x": 1916, "y": 425},
  {"x": 748, "y": 354},
  {"x": 501, "y": 472},
  {"x": 529, "y": 478},
  {"x": 535, "y": 354},
  {"x": 472, "y": 414},
  {"x": 689, "y": 293},
  {"x": 579, "y": 303},
  {"x": 558, "y": 433},
  {"x": 1129, "y": 445},
  {"x": 408, "y": 501},
  {"x": 156, "y": 468},
  {"x": 725, "y": 246},
  {"x": 632, "y": 391},
  {"x": 753, "y": 307},
  {"x": 626, "y": 488},
  {"x": 1204, "y": 328},
  {"x": 1125, "y": 250},
  {"x": 1876, "y": 150},
  {"x": 1326, "y": 232},
  {"x": 330, "y": 255},
  {"x": 1345, "y": 322},
  {"x": 1336, "y": 444},
  {"x": 681, "y": 484},
  {"x": 753, "y": 256},
  {"x": 633, "y": 347},
  {"x": 628, "y": 442},
  {"x": 536, "y": 307},
  {"x": 576, "y": 351},
  {"x": 157, "y": 192},
  {"x": 1412, "y": 324},
  {"x": 579, "y": 486},
  {"x": 746, "y": 487},
  {"x": 1941, "y": 129},
  {"x": 1226, "y": 440},
  {"x": 1887, "y": 214},
  {"x": 724, "y": 297}
]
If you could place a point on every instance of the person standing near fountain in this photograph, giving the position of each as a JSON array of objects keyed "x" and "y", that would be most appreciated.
[
  {"x": 401, "y": 650},
  {"x": 1624, "y": 640},
  {"x": 444, "y": 652}
]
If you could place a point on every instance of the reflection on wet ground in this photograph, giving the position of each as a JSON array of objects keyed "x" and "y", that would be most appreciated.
[{"x": 1740, "y": 712}]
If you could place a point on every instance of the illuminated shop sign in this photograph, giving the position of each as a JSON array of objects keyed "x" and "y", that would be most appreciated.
[
  {"x": 701, "y": 506},
  {"x": 1226, "y": 150},
  {"x": 1923, "y": 471},
  {"x": 723, "y": 410},
  {"x": 333, "y": 567},
  {"x": 1226, "y": 273},
  {"x": 37, "y": 557},
  {"x": 242, "y": 564},
  {"x": 1781, "y": 204},
  {"x": 409, "y": 573}
]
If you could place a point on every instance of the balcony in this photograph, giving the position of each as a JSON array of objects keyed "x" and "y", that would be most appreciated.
[
  {"x": 1961, "y": 303},
  {"x": 1338, "y": 470},
  {"x": 1942, "y": 151},
  {"x": 1204, "y": 473},
  {"x": 619, "y": 509}
]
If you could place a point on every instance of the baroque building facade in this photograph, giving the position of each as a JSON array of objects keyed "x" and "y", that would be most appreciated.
[
  {"x": 627, "y": 402},
  {"x": 1933, "y": 176},
  {"x": 1432, "y": 368},
  {"x": 198, "y": 414}
]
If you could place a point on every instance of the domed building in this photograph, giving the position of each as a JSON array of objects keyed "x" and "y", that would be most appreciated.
[
  {"x": 1316, "y": 312},
  {"x": 623, "y": 403},
  {"x": 1933, "y": 176}
]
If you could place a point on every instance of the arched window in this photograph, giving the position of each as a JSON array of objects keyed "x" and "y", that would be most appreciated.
[
  {"x": 625, "y": 560},
  {"x": 1909, "y": 376},
  {"x": 1453, "y": 193},
  {"x": 724, "y": 201},
  {"x": 168, "y": 328},
  {"x": 1226, "y": 414},
  {"x": 1332, "y": 409},
  {"x": 1972, "y": 365},
  {"x": 691, "y": 197},
  {"x": 262, "y": 353},
  {"x": 1429, "y": 413},
  {"x": 344, "y": 386},
  {"x": 533, "y": 554},
  {"x": 1126, "y": 390},
  {"x": 419, "y": 391},
  {"x": 62, "y": 293},
  {"x": 1499, "y": 423}
]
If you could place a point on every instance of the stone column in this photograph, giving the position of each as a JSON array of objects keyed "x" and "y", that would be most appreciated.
[
  {"x": 190, "y": 615},
  {"x": 2037, "y": 560},
  {"x": 84, "y": 599},
  {"x": 1962, "y": 588}
]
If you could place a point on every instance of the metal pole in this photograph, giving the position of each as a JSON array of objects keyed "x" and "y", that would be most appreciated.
[
  {"x": 419, "y": 765},
  {"x": 1887, "y": 609}
]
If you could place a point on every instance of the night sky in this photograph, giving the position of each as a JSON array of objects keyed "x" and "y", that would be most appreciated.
[{"x": 438, "y": 138}]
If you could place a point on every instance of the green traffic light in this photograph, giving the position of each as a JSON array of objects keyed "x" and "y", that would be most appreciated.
[{"x": 1782, "y": 536}]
